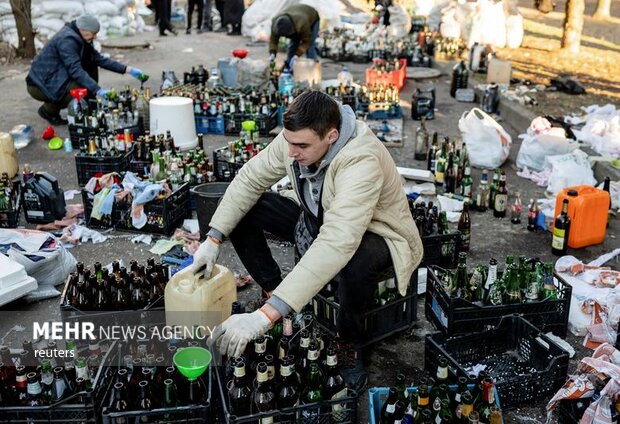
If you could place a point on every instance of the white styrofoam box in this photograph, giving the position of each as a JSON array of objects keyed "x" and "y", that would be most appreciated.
[
  {"x": 17, "y": 290},
  {"x": 11, "y": 272}
]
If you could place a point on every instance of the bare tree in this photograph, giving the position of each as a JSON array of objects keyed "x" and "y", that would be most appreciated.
[
  {"x": 573, "y": 25},
  {"x": 25, "y": 32},
  {"x": 603, "y": 8}
]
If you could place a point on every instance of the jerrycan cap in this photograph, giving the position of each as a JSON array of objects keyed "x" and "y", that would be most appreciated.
[
  {"x": 572, "y": 193},
  {"x": 186, "y": 286}
]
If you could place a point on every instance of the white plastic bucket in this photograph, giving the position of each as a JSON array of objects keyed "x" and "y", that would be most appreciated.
[{"x": 175, "y": 114}]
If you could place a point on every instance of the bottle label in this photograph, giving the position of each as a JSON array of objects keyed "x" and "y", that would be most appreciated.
[
  {"x": 304, "y": 342},
  {"x": 532, "y": 292},
  {"x": 558, "y": 239},
  {"x": 500, "y": 202},
  {"x": 260, "y": 347},
  {"x": 34, "y": 388},
  {"x": 467, "y": 409},
  {"x": 423, "y": 401},
  {"x": 332, "y": 360},
  {"x": 313, "y": 355},
  {"x": 82, "y": 372},
  {"x": 267, "y": 420},
  {"x": 467, "y": 190},
  {"x": 438, "y": 419},
  {"x": 285, "y": 370},
  {"x": 442, "y": 373},
  {"x": 390, "y": 408},
  {"x": 439, "y": 176}
]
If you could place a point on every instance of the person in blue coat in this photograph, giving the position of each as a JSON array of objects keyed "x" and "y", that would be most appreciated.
[{"x": 69, "y": 61}]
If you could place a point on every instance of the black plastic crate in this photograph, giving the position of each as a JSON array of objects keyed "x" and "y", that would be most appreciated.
[
  {"x": 379, "y": 323},
  {"x": 347, "y": 413},
  {"x": 79, "y": 134},
  {"x": 200, "y": 413},
  {"x": 525, "y": 364},
  {"x": 441, "y": 249},
  {"x": 10, "y": 218},
  {"x": 90, "y": 166},
  {"x": 223, "y": 169},
  {"x": 69, "y": 410},
  {"x": 162, "y": 216},
  {"x": 453, "y": 315}
]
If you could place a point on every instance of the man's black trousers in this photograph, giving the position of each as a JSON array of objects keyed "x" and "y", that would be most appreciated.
[{"x": 356, "y": 282}]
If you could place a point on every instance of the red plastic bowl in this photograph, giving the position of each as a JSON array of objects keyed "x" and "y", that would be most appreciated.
[{"x": 240, "y": 53}]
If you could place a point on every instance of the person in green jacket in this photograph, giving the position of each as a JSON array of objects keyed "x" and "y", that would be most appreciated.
[
  {"x": 300, "y": 23},
  {"x": 347, "y": 216}
]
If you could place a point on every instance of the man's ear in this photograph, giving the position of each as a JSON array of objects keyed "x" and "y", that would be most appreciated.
[{"x": 333, "y": 136}]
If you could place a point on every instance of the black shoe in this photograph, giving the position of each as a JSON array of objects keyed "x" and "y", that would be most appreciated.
[
  {"x": 222, "y": 29},
  {"x": 188, "y": 31},
  {"x": 163, "y": 34},
  {"x": 352, "y": 365},
  {"x": 52, "y": 119}
]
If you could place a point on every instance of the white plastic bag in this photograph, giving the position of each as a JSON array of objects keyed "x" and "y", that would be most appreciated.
[
  {"x": 514, "y": 31},
  {"x": 488, "y": 144},
  {"x": 49, "y": 266},
  {"x": 542, "y": 140},
  {"x": 400, "y": 21},
  {"x": 568, "y": 170}
]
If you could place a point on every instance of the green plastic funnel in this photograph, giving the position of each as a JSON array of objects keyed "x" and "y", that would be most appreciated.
[{"x": 192, "y": 361}]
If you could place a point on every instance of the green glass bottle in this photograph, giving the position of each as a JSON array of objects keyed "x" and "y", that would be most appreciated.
[
  {"x": 476, "y": 285},
  {"x": 313, "y": 393},
  {"x": 550, "y": 291},
  {"x": 512, "y": 293},
  {"x": 535, "y": 287},
  {"x": 461, "y": 278}
]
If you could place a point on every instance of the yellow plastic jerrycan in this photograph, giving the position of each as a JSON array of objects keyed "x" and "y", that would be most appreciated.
[{"x": 195, "y": 305}]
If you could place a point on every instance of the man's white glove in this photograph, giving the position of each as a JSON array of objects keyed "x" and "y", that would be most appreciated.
[
  {"x": 236, "y": 332},
  {"x": 206, "y": 255}
]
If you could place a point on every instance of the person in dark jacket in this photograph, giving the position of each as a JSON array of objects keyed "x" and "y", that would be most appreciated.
[
  {"x": 300, "y": 23},
  {"x": 68, "y": 61}
]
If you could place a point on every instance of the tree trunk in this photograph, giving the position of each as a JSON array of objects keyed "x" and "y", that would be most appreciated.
[
  {"x": 25, "y": 32},
  {"x": 573, "y": 25},
  {"x": 603, "y": 8}
]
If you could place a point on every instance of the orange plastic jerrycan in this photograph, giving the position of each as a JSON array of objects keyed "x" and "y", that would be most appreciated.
[{"x": 587, "y": 209}]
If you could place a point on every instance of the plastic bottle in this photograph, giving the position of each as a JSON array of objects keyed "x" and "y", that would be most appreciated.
[
  {"x": 78, "y": 108},
  {"x": 286, "y": 83},
  {"x": 459, "y": 77},
  {"x": 344, "y": 76}
]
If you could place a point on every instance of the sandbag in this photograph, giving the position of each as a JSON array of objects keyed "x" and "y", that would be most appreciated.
[
  {"x": 63, "y": 7},
  {"x": 400, "y": 21},
  {"x": 488, "y": 143},
  {"x": 98, "y": 8}
]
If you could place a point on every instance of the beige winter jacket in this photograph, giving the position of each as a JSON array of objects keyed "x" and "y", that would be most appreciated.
[{"x": 362, "y": 191}]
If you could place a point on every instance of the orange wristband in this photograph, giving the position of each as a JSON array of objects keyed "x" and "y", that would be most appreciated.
[
  {"x": 214, "y": 240},
  {"x": 271, "y": 319}
]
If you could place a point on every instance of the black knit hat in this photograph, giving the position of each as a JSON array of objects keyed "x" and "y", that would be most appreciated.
[{"x": 283, "y": 26}]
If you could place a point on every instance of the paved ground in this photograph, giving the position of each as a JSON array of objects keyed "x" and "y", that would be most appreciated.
[{"x": 402, "y": 353}]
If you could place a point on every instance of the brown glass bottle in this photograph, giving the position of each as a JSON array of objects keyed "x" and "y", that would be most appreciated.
[
  {"x": 561, "y": 229},
  {"x": 264, "y": 399},
  {"x": 464, "y": 226},
  {"x": 239, "y": 393}
]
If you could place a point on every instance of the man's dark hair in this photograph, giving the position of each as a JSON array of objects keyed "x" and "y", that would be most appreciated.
[{"x": 314, "y": 110}]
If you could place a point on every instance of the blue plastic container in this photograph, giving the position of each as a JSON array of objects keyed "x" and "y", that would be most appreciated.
[
  {"x": 209, "y": 124},
  {"x": 378, "y": 395}
]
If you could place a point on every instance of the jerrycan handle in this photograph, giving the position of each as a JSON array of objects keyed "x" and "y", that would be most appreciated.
[{"x": 53, "y": 180}]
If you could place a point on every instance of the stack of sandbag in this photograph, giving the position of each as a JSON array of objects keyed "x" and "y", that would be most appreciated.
[{"x": 118, "y": 18}]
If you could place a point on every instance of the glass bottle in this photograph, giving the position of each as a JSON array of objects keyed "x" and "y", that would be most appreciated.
[
  {"x": 389, "y": 406},
  {"x": 334, "y": 385},
  {"x": 461, "y": 277},
  {"x": 312, "y": 393},
  {"x": 264, "y": 398},
  {"x": 516, "y": 209},
  {"x": 288, "y": 393},
  {"x": 119, "y": 403},
  {"x": 492, "y": 288},
  {"x": 550, "y": 291},
  {"x": 422, "y": 136},
  {"x": 464, "y": 226},
  {"x": 561, "y": 229},
  {"x": 239, "y": 393},
  {"x": 482, "y": 197},
  {"x": 423, "y": 403},
  {"x": 476, "y": 285},
  {"x": 467, "y": 183},
  {"x": 493, "y": 188},
  {"x": 501, "y": 198},
  {"x": 489, "y": 403},
  {"x": 535, "y": 285},
  {"x": 512, "y": 294},
  {"x": 35, "y": 397},
  {"x": 21, "y": 385}
]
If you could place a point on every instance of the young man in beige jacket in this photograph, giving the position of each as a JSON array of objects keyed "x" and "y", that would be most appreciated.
[{"x": 347, "y": 215}]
